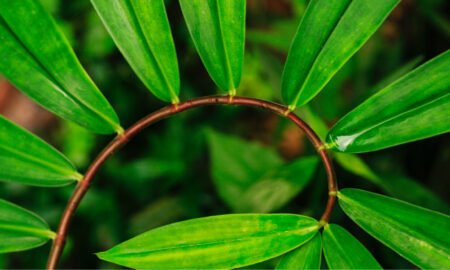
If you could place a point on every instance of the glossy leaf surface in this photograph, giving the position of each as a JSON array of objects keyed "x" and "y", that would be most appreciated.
[
  {"x": 415, "y": 107},
  {"x": 307, "y": 256},
  {"x": 217, "y": 28},
  {"x": 418, "y": 234},
  {"x": 38, "y": 60},
  {"x": 331, "y": 31},
  {"x": 343, "y": 251},
  {"x": 219, "y": 242},
  {"x": 141, "y": 30},
  {"x": 21, "y": 229},
  {"x": 26, "y": 159}
]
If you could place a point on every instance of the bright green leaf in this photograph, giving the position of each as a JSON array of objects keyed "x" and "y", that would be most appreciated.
[
  {"x": 142, "y": 32},
  {"x": 219, "y": 242},
  {"x": 26, "y": 159},
  {"x": 307, "y": 256},
  {"x": 418, "y": 234},
  {"x": 331, "y": 31},
  {"x": 21, "y": 229},
  {"x": 415, "y": 107},
  {"x": 277, "y": 187},
  {"x": 38, "y": 60},
  {"x": 217, "y": 28},
  {"x": 343, "y": 251}
]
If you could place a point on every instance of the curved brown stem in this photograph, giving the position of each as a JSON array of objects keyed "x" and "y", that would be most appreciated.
[{"x": 120, "y": 140}]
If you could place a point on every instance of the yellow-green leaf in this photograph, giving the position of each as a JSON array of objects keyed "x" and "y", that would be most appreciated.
[
  {"x": 418, "y": 234},
  {"x": 21, "y": 229},
  {"x": 37, "y": 59},
  {"x": 219, "y": 242},
  {"x": 141, "y": 30},
  {"x": 217, "y": 28},
  {"x": 26, "y": 159}
]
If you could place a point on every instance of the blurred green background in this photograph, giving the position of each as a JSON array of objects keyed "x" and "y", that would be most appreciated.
[{"x": 219, "y": 160}]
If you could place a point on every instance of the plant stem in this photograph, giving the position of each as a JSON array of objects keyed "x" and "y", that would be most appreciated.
[{"x": 122, "y": 139}]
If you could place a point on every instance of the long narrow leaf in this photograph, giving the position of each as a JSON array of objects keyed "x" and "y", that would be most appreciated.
[
  {"x": 418, "y": 234},
  {"x": 37, "y": 59},
  {"x": 21, "y": 229},
  {"x": 331, "y": 31},
  {"x": 219, "y": 242},
  {"x": 26, "y": 159},
  {"x": 217, "y": 28},
  {"x": 307, "y": 256},
  {"x": 343, "y": 251},
  {"x": 141, "y": 30},
  {"x": 415, "y": 107}
]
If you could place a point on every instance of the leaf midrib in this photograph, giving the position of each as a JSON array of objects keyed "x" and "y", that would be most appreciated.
[
  {"x": 40, "y": 232},
  {"x": 343, "y": 253}
]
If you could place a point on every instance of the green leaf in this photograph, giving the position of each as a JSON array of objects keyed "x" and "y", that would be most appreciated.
[
  {"x": 307, "y": 256},
  {"x": 217, "y": 28},
  {"x": 233, "y": 170},
  {"x": 26, "y": 159},
  {"x": 343, "y": 251},
  {"x": 415, "y": 107},
  {"x": 277, "y": 187},
  {"x": 21, "y": 229},
  {"x": 330, "y": 32},
  {"x": 38, "y": 60},
  {"x": 418, "y": 234},
  {"x": 219, "y": 242},
  {"x": 141, "y": 30}
]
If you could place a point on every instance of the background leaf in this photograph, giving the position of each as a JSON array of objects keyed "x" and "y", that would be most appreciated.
[
  {"x": 26, "y": 159},
  {"x": 415, "y": 107},
  {"x": 220, "y": 242},
  {"x": 217, "y": 28},
  {"x": 307, "y": 256},
  {"x": 21, "y": 229},
  {"x": 419, "y": 235},
  {"x": 343, "y": 251},
  {"x": 142, "y": 32},
  {"x": 43, "y": 66},
  {"x": 329, "y": 34}
]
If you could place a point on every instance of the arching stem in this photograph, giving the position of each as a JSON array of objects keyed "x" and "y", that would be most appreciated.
[{"x": 122, "y": 139}]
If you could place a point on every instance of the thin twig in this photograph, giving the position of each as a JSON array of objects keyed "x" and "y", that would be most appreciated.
[{"x": 120, "y": 140}]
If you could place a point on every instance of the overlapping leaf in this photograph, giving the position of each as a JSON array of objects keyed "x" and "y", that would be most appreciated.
[
  {"x": 418, "y": 234},
  {"x": 26, "y": 159},
  {"x": 307, "y": 256},
  {"x": 219, "y": 242},
  {"x": 343, "y": 251},
  {"x": 37, "y": 59},
  {"x": 331, "y": 31},
  {"x": 21, "y": 229},
  {"x": 217, "y": 28},
  {"x": 414, "y": 107},
  {"x": 141, "y": 30}
]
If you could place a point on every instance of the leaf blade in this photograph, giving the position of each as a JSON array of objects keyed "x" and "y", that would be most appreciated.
[
  {"x": 417, "y": 234},
  {"x": 343, "y": 251},
  {"x": 43, "y": 66},
  {"x": 307, "y": 256},
  {"x": 218, "y": 31},
  {"x": 26, "y": 159},
  {"x": 422, "y": 110},
  {"x": 142, "y": 33},
  {"x": 221, "y": 242},
  {"x": 21, "y": 229},
  {"x": 341, "y": 43}
]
